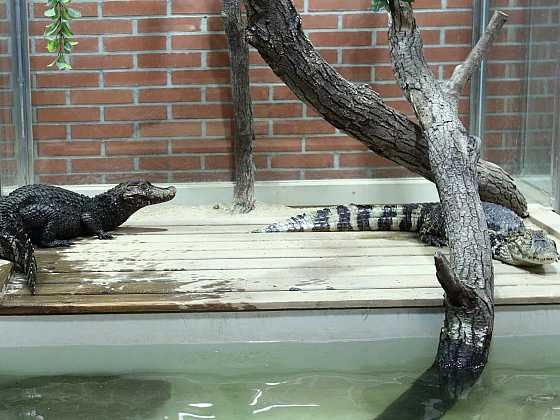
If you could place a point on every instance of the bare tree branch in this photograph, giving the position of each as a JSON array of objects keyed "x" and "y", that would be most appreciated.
[
  {"x": 274, "y": 28},
  {"x": 463, "y": 72}
]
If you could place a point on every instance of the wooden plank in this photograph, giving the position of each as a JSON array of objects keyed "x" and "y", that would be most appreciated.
[
  {"x": 117, "y": 246},
  {"x": 248, "y": 236},
  {"x": 127, "y": 285},
  {"x": 252, "y": 301},
  {"x": 239, "y": 253},
  {"x": 78, "y": 262}
]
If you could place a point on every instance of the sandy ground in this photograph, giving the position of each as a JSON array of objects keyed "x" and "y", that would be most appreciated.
[{"x": 173, "y": 214}]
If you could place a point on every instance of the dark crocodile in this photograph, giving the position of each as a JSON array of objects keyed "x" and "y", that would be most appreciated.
[
  {"x": 50, "y": 216},
  {"x": 512, "y": 242}
]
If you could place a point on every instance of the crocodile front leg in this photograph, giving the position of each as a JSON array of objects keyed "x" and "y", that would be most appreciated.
[{"x": 93, "y": 226}]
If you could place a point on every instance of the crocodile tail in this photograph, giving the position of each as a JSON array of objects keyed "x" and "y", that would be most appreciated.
[
  {"x": 334, "y": 219},
  {"x": 16, "y": 246},
  {"x": 406, "y": 217}
]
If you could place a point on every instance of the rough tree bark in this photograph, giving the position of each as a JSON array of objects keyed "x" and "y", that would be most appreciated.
[
  {"x": 468, "y": 278},
  {"x": 243, "y": 134},
  {"x": 274, "y": 28}
]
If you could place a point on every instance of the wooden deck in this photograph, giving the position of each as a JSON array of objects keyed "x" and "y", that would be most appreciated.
[{"x": 193, "y": 267}]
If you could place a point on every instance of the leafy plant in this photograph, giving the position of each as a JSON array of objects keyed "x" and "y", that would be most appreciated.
[{"x": 58, "y": 34}]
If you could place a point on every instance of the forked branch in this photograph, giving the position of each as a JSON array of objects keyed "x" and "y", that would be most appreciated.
[{"x": 463, "y": 72}]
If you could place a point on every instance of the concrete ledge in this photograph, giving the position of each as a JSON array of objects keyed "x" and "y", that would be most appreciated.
[{"x": 299, "y": 193}]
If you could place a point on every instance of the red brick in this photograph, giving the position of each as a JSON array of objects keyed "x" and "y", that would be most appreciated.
[
  {"x": 74, "y": 148},
  {"x": 223, "y": 128},
  {"x": 278, "y": 110},
  {"x": 363, "y": 159},
  {"x": 198, "y": 42},
  {"x": 201, "y": 146},
  {"x": 203, "y": 111},
  {"x": 169, "y": 163},
  {"x": 365, "y": 56},
  {"x": 171, "y": 129},
  {"x": 278, "y": 144},
  {"x": 355, "y": 73},
  {"x": 365, "y": 20},
  {"x": 223, "y": 94},
  {"x": 336, "y": 39},
  {"x": 101, "y": 131},
  {"x": 102, "y": 62},
  {"x": 47, "y": 132},
  {"x": 503, "y": 122},
  {"x": 101, "y": 96},
  {"x": 302, "y": 161},
  {"x": 102, "y": 165},
  {"x": 217, "y": 59},
  {"x": 196, "y": 6},
  {"x": 219, "y": 162},
  {"x": 187, "y": 77},
  {"x": 134, "y": 8},
  {"x": 136, "y": 147},
  {"x": 283, "y": 93},
  {"x": 70, "y": 179},
  {"x": 132, "y": 113},
  {"x": 50, "y": 97},
  {"x": 442, "y": 54},
  {"x": 263, "y": 76},
  {"x": 67, "y": 80},
  {"x": 215, "y": 23},
  {"x": 151, "y": 176},
  {"x": 169, "y": 60},
  {"x": 458, "y": 36},
  {"x": 302, "y": 127},
  {"x": 165, "y": 25},
  {"x": 100, "y": 26},
  {"x": 135, "y": 78},
  {"x": 333, "y": 144},
  {"x": 168, "y": 95},
  {"x": 67, "y": 114},
  {"x": 134, "y": 43},
  {"x": 50, "y": 166},
  {"x": 320, "y": 21},
  {"x": 451, "y": 18}
]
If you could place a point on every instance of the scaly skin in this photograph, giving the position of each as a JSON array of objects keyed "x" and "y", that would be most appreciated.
[
  {"x": 512, "y": 242},
  {"x": 49, "y": 216}
]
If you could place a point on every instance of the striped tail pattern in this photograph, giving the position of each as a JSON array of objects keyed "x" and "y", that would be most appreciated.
[
  {"x": 405, "y": 217},
  {"x": 16, "y": 246}
]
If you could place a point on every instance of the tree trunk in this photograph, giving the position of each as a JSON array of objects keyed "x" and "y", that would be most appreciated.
[
  {"x": 468, "y": 278},
  {"x": 243, "y": 135},
  {"x": 274, "y": 28}
]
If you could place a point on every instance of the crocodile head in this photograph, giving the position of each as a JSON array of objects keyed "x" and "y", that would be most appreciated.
[
  {"x": 140, "y": 193},
  {"x": 526, "y": 247}
]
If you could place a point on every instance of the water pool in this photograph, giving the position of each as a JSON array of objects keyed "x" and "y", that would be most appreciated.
[{"x": 297, "y": 381}]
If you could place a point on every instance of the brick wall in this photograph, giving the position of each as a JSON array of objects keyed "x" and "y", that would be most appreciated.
[
  {"x": 149, "y": 92},
  {"x": 8, "y": 165}
]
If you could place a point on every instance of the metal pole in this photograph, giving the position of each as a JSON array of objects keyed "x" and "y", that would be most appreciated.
[
  {"x": 478, "y": 80},
  {"x": 22, "y": 93}
]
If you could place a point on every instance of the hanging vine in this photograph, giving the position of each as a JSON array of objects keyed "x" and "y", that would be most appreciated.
[{"x": 58, "y": 34}]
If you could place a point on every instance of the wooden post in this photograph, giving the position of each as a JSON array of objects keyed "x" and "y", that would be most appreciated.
[{"x": 243, "y": 135}]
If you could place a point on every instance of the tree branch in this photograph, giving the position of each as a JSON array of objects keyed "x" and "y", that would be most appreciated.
[
  {"x": 463, "y": 72},
  {"x": 274, "y": 28}
]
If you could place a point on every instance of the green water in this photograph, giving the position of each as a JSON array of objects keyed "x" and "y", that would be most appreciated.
[{"x": 342, "y": 381}]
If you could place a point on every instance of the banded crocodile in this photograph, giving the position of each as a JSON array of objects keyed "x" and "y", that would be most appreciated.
[
  {"x": 49, "y": 216},
  {"x": 512, "y": 242}
]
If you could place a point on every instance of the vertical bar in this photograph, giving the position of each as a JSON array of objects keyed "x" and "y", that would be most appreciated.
[
  {"x": 556, "y": 149},
  {"x": 22, "y": 93},
  {"x": 478, "y": 80}
]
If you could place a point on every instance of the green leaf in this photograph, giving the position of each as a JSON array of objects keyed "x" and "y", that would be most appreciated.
[
  {"x": 73, "y": 13},
  {"x": 53, "y": 45},
  {"x": 50, "y": 12}
]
